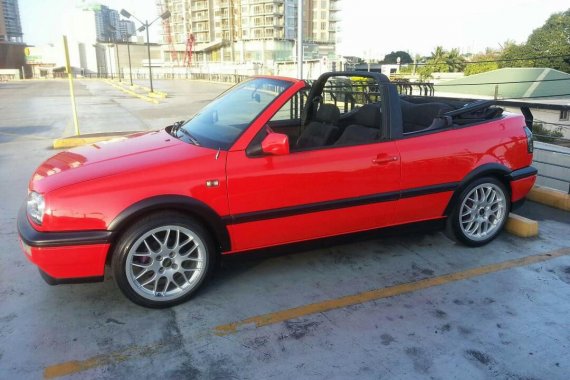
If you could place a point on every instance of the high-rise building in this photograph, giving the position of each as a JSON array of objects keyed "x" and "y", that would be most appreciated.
[
  {"x": 126, "y": 29},
  {"x": 10, "y": 25},
  {"x": 12, "y": 47},
  {"x": 107, "y": 24},
  {"x": 263, "y": 31}
]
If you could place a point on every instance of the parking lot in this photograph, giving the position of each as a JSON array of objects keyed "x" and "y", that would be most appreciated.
[{"x": 398, "y": 305}]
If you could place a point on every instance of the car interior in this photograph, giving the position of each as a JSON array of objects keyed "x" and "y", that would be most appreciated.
[{"x": 361, "y": 123}]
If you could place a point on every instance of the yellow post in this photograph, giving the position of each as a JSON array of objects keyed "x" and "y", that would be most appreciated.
[{"x": 71, "y": 91}]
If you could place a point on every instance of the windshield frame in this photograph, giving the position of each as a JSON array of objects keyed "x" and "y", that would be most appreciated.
[{"x": 197, "y": 121}]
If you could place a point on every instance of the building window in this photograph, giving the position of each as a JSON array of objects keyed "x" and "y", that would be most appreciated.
[{"x": 564, "y": 115}]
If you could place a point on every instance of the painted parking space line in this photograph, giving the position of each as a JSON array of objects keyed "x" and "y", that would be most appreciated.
[
  {"x": 76, "y": 366},
  {"x": 132, "y": 352},
  {"x": 132, "y": 93},
  {"x": 391, "y": 291}
]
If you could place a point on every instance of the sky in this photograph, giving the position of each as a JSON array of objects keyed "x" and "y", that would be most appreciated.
[{"x": 368, "y": 28}]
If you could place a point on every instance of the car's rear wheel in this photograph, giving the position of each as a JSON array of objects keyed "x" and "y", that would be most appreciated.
[
  {"x": 162, "y": 260},
  {"x": 480, "y": 212}
]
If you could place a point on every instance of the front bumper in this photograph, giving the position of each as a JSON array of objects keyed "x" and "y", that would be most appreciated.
[{"x": 65, "y": 257}]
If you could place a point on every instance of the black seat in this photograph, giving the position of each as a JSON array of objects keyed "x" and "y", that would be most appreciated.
[
  {"x": 366, "y": 127},
  {"x": 323, "y": 130},
  {"x": 423, "y": 116}
]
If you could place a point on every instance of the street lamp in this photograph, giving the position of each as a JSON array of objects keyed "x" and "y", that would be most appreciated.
[
  {"x": 146, "y": 25},
  {"x": 109, "y": 45},
  {"x": 113, "y": 32},
  {"x": 128, "y": 37}
]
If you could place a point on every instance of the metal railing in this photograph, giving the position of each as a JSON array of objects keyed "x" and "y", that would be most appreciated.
[{"x": 555, "y": 165}]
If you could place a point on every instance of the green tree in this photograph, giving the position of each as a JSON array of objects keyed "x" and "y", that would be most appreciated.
[
  {"x": 392, "y": 58},
  {"x": 551, "y": 39},
  {"x": 438, "y": 60},
  {"x": 486, "y": 64},
  {"x": 515, "y": 55},
  {"x": 441, "y": 61},
  {"x": 455, "y": 61}
]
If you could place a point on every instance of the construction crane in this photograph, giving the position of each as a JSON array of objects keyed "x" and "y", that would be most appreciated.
[
  {"x": 189, "y": 49},
  {"x": 168, "y": 32}
]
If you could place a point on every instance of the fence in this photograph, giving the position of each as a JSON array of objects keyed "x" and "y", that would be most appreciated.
[{"x": 553, "y": 164}]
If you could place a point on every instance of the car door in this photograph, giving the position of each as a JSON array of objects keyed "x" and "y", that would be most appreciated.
[{"x": 311, "y": 194}]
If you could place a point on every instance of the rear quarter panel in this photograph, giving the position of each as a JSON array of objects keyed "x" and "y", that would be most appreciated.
[{"x": 449, "y": 156}]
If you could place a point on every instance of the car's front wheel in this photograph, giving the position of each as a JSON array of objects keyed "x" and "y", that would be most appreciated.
[
  {"x": 480, "y": 213},
  {"x": 162, "y": 260}
]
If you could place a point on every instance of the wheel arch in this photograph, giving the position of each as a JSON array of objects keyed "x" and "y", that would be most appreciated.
[
  {"x": 177, "y": 203},
  {"x": 497, "y": 171}
]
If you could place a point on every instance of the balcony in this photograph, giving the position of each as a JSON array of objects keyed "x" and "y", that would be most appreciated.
[
  {"x": 201, "y": 6},
  {"x": 200, "y": 17}
]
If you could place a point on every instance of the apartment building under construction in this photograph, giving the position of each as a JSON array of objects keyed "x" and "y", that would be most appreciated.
[{"x": 239, "y": 31}]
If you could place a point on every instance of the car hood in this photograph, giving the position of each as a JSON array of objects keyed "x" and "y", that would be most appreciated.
[{"x": 125, "y": 154}]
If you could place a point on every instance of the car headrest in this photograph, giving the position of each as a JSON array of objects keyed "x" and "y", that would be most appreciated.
[
  {"x": 369, "y": 116},
  {"x": 328, "y": 113}
]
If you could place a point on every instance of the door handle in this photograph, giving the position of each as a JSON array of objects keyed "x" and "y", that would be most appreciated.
[{"x": 384, "y": 160}]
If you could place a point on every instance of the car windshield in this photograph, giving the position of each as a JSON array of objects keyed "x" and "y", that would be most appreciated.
[{"x": 220, "y": 123}]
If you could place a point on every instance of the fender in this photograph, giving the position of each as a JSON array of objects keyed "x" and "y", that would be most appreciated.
[
  {"x": 213, "y": 221},
  {"x": 487, "y": 169}
]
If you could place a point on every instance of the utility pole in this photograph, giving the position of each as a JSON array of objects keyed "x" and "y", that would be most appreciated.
[
  {"x": 69, "y": 71},
  {"x": 300, "y": 39}
]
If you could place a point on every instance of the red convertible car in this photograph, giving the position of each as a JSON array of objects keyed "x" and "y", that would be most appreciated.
[{"x": 272, "y": 161}]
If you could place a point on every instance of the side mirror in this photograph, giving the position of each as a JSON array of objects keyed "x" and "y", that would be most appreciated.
[{"x": 276, "y": 144}]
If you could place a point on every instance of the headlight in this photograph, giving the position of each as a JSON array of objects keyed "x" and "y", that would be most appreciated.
[{"x": 36, "y": 206}]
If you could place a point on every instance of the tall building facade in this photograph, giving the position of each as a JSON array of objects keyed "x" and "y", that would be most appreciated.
[
  {"x": 107, "y": 24},
  {"x": 12, "y": 47},
  {"x": 126, "y": 29},
  {"x": 239, "y": 31},
  {"x": 10, "y": 25}
]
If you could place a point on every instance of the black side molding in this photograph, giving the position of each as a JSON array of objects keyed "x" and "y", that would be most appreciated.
[
  {"x": 60, "y": 281},
  {"x": 30, "y": 236},
  {"x": 529, "y": 171},
  {"x": 337, "y": 204},
  {"x": 309, "y": 208}
]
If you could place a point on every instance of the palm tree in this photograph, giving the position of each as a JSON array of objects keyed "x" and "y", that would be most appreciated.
[
  {"x": 455, "y": 61},
  {"x": 438, "y": 60}
]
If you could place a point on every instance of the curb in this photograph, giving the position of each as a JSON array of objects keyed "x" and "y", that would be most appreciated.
[
  {"x": 132, "y": 93},
  {"x": 550, "y": 197},
  {"x": 521, "y": 226},
  {"x": 75, "y": 141}
]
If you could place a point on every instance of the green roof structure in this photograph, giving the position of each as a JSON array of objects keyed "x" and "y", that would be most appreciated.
[{"x": 513, "y": 83}]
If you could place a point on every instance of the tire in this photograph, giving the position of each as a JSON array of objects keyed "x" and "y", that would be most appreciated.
[
  {"x": 480, "y": 212},
  {"x": 162, "y": 260}
]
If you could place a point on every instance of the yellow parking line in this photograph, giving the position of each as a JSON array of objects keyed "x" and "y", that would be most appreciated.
[
  {"x": 319, "y": 307},
  {"x": 76, "y": 366},
  {"x": 132, "y": 93}
]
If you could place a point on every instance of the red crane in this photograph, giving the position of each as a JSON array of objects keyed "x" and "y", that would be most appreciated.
[{"x": 189, "y": 49}]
